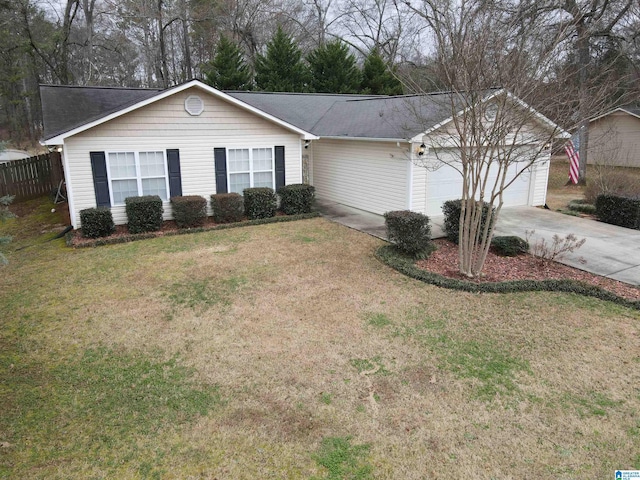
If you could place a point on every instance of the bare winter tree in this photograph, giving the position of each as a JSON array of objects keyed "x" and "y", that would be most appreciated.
[
  {"x": 584, "y": 26},
  {"x": 383, "y": 25},
  {"x": 494, "y": 137}
]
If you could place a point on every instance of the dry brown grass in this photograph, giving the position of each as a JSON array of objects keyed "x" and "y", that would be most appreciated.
[
  {"x": 275, "y": 315},
  {"x": 559, "y": 194}
]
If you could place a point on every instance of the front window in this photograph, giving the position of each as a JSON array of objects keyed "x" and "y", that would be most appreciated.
[
  {"x": 249, "y": 168},
  {"x": 133, "y": 174}
]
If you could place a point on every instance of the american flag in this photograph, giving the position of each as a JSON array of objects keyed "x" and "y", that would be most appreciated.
[{"x": 572, "y": 147}]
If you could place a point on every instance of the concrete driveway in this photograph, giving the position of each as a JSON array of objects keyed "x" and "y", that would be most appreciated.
[{"x": 609, "y": 251}]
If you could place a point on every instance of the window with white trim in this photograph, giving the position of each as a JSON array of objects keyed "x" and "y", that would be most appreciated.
[
  {"x": 249, "y": 167},
  {"x": 132, "y": 174}
]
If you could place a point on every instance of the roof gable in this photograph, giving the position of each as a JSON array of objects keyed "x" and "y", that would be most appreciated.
[
  {"x": 62, "y": 132},
  {"x": 631, "y": 109}
]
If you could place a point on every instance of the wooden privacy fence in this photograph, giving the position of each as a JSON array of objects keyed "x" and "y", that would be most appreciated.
[{"x": 31, "y": 177}]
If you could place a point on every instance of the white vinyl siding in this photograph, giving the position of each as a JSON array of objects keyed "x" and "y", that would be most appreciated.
[
  {"x": 615, "y": 140},
  {"x": 370, "y": 176},
  {"x": 540, "y": 179},
  {"x": 167, "y": 124},
  {"x": 419, "y": 188}
]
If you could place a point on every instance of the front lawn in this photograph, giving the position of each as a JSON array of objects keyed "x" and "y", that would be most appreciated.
[{"x": 289, "y": 351}]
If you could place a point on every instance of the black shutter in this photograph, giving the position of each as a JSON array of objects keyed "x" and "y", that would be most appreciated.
[
  {"x": 173, "y": 166},
  {"x": 220, "y": 157},
  {"x": 279, "y": 167},
  {"x": 100, "y": 180}
]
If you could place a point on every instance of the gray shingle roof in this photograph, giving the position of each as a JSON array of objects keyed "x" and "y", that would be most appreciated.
[
  {"x": 65, "y": 108},
  {"x": 354, "y": 116},
  {"x": 303, "y": 110},
  {"x": 363, "y": 116},
  {"x": 633, "y": 109},
  {"x": 395, "y": 118}
]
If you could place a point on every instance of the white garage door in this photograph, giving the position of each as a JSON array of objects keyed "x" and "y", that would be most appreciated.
[
  {"x": 365, "y": 175},
  {"x": 444, "y": 183}
]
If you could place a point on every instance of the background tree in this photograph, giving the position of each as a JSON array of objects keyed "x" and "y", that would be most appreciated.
[
  {"x": 333, "y": 69},
  {"x": 281, "y": 69},
  {"x": 377, "y": 79},
  {"x": 582, "y": 25},
  {"x": 228, "y": 70}
]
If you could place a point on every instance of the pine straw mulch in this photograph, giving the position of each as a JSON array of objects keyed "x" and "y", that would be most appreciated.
[{"x": 444, "y": 261}]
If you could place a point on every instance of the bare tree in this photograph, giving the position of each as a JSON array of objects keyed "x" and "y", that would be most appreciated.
[
  {"x": 383, "y": 25},
  {"x": 494, "y": 137},
  {"x": 583, "y": 24}
]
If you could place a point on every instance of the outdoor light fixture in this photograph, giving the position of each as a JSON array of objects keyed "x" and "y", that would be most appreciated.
[
  {"x": 307, "y": 143},
  {"x": 59, "y": 149},
  {"x": 422, "y": 149}
]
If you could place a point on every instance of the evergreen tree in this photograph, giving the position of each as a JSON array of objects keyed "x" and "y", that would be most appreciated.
[
  {"x": 228, "y": 70},
  {"x": 377, "y": 79},
  {"x": 281, "y": 69},
  {"x": 333, "y": 69}
]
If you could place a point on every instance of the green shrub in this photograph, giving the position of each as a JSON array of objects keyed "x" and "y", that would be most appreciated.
[
  {"x": 451, "y": 210},
  {"x": 189, "y": 211},
  {"x": 227, "y": 207},
  {"x": 509, "y": 246},
  {"x": 582, "y": 206},
  {"x": 616, "y": 210},
  {"x": 144, "y": 213},
  {"x": 410, "y": 232},
  {"x": 260, "y": 202},
  {"x": 296, "y": 198},
  {"x": 96, "y": 222}
]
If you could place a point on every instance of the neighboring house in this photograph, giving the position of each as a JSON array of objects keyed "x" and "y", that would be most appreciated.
[
  {"x": 614, "y": 138},
  {"x": 10, "y": 154},
  {"x": 192, "y": 139}
]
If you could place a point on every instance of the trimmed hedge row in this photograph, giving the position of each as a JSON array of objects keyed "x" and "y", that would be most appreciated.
[
  {"x": 189, "y": 211},
  {"x": 616, "y": 210},
  {"x": 452, "y": 210},
  {"x": 405, "y": 265},
  {"x": 143, "y": 236},
  {"x": 144, "y": 213},
  {"x": 97, "y": 222},
  {"x": 410, "y": 232}
]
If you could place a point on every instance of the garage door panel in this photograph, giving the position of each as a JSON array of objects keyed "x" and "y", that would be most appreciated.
[
  {"x": 444, "y": 182},
  {"x": 371, "y": 177}
]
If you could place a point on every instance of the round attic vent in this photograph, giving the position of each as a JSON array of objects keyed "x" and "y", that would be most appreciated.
[{"x": 194, "y": 105}]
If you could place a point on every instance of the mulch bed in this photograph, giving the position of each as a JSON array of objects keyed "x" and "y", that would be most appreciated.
[
  {"x": 444, "y": 262},
  {"x": 169, "y": 227}
]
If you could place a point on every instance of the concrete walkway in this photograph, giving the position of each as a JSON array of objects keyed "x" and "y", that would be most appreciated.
[
  {"x": 367, "y": 222},
  {"x": 609, "y": 251}
]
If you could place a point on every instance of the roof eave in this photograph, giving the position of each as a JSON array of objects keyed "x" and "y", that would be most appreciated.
[
  {"x": 619, "y": 109},
  {"x": 541, "y": 118},
  {"x": 363, "y": 139}
]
